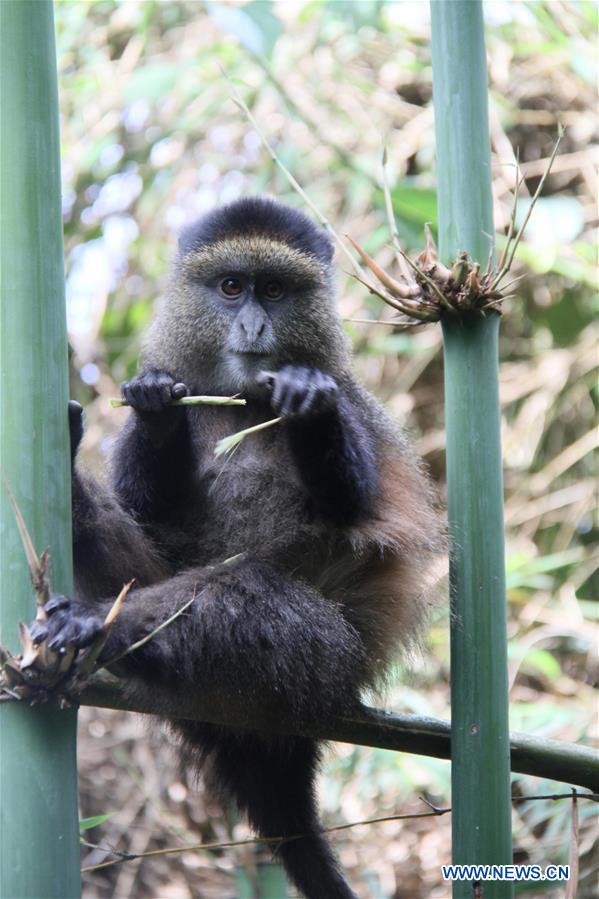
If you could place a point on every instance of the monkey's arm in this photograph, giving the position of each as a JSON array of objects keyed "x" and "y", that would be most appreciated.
[
  {"x": 333, "y": 450},
  {"x": 151, "y": 462},
  {"x": 109, "y": 547}
]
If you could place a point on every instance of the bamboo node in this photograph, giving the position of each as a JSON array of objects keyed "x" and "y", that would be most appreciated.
[{"x": 426, "y": 291}]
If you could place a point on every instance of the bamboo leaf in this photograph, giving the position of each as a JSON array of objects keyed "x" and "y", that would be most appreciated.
[{"x": 228, "y": 444}]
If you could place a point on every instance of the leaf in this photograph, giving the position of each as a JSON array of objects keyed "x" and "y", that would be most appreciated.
[
  {"x": 88, "y": 823},
  {"x": 227, "y": 444},
  {"x": 255, "y": 26},
  {"x": 415, "y": 204},
  {"x": 557, "y": 220},
  {"x": 153, "y": 81},
  {"x": 524, "y": 571},
  {"x": 543, "y": 661},
  {"x": 32, "y": 557}
]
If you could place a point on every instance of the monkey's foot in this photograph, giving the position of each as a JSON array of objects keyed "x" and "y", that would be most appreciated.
[{"x": 59, "y": 652}]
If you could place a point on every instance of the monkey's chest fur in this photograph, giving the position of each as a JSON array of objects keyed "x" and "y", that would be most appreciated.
[{"x": 251, "y": 500}]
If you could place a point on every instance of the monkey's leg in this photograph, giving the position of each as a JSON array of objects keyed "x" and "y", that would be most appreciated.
[
  {"x": 272, "y": 780},
  {"x": 256, "y": 638},
  {"x": 252, "y": 635}
]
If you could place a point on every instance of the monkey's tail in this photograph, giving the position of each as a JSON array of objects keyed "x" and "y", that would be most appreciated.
[{"x": 274, "y": 783}]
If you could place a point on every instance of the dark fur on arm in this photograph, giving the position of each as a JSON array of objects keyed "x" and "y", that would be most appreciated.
[
  {"x": 332, "y": 449},
  {"x": 336, "y": 460},
  {"x": 109, "y": 547},
  {"x": 148, "y": 478},
  {"x": 151, "y": 462}
]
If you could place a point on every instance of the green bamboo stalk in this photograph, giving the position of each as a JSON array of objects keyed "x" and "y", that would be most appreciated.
[
  {"x": 39, "y": 843},
  {"x": 269, "y": 880},
  {"x": 481, "y": 816}
]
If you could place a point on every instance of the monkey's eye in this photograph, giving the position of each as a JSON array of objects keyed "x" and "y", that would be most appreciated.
[
  {"x": 231, "y": 288},
  {"x": 273, "y": 290}
]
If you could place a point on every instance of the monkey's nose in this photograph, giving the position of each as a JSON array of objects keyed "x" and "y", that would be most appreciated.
[{"x": 253, "y": 330}]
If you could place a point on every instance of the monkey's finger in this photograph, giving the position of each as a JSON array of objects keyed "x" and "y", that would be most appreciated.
[
  {"x": 83, "y": 631},
  {"x": 38, "y": 632},
  {"x": 179, "y": 390},
  {"x": 147, "y": 395},
  {"x": 75, "y": 412},
  {"x": 57, "y": 604},
  {"x": 327, "y": 395},
  {"x": 268, "y": 378},
  {"x": 79, "y": 632},
  {"x": 164, "y": 395},
  {"x": 310, "y": 400},
  {"x": 129, "y": 393},
  {"x": 154, "y": 395},
  {"x": 75, "y": 426},
  {"x": 292, "y": 400},
  {"x": 278, "y": 393}
]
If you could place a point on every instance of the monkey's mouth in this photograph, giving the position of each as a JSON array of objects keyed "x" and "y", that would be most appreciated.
[
  {"x": 250, "y": 352},
  {"x": 249, "y": 355}
]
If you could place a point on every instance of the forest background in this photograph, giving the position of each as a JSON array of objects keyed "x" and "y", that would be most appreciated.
[{"x": 150, "y": 139}]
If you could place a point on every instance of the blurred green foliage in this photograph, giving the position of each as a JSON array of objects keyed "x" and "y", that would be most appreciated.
[{"x": 151, "y": 138}]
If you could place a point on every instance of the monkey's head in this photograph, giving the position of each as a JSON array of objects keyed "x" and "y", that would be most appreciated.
[{"x": 252, "y": 290}]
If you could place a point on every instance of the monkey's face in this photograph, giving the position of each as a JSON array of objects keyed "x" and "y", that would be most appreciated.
[{"x": 244, "y": 305}]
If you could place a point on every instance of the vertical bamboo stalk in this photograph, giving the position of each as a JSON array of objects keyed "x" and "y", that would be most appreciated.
[
  {"x": 39, "y": 844},
  {"x": 481, "y": 809}
]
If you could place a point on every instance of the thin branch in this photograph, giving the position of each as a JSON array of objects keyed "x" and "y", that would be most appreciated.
[
  {"x": 491, "y": 239},
  {"x": 504, "y": 269},
  {"x": 566, "y": 762},
  {"x": 593, "y": 797},
  {"x": 574, "y": 851},
  {"x": 391, "y": 216},
  {"x": 512, "y": 224},
  {"x": 370, "y": 321},
  {"x": 434, "y": 812},
  {"x": 38, "y": 565}
]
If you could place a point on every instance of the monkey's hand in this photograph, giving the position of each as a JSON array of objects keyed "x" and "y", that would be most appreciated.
[
  {"x": 332, "y": 448},
  {"x": 69, "y": 624},
  {"x": 299, "y": 392},
  {"x": 150, "y": 395},
  {"x": 153, "y": 391},
  {"x": 75, "y": 426}
]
